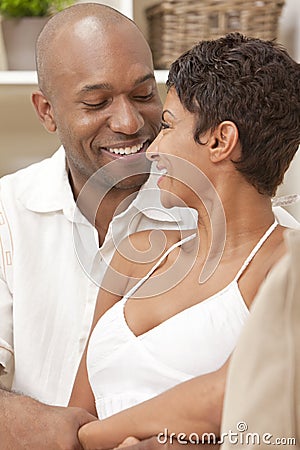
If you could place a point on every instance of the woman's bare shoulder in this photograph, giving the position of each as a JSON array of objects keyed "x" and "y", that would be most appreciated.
[
  {"x": 268, "y": 256},
  {"x": 277, "y": 247},
  {"x": 139, "y": 251},
  {"x": 143, "y": 240}
]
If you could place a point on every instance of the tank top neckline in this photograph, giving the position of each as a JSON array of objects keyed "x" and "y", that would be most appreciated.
[{"x": 233, "y": 283}]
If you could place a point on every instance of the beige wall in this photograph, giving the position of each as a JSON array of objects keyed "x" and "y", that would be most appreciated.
[{"x": 23, "y": 139}]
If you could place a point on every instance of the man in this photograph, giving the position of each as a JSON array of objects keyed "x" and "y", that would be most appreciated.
[
  {"x": 104, "y": 109},
  {"x": 98, "y": 92},
  {"x": 98, "y": 110}
]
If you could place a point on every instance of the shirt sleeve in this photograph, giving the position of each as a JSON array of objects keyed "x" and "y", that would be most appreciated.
[
  {"x": 6, "y": 298},
  {"x": 6, "y": 332},
  {"x": 284, "y": 218}
]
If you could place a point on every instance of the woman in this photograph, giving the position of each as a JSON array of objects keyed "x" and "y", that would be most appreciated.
[{"x": 230, "y": 128}]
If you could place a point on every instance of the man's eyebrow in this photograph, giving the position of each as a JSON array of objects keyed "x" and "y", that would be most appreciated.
[
  {"x": 97, "y": 86},
  {"x": 107, "y": 86}
]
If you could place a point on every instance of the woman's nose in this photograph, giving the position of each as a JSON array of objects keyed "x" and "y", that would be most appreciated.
[{"x": 152, "y": 152}]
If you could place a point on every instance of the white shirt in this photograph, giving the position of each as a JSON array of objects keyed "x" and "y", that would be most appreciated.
[{"x": 47, "y": 283}]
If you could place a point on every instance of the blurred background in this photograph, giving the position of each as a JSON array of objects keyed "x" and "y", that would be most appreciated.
[{"x": 23, "y": 139}]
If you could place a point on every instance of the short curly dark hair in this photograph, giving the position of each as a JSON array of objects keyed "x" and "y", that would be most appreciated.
[{"x": 253, "y": 83}]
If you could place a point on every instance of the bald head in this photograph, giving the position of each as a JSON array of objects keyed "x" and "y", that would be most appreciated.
[{"x": 80, "y": 24}]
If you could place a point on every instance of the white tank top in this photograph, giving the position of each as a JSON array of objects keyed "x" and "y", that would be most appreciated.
[{"x": 125, "y": 369}]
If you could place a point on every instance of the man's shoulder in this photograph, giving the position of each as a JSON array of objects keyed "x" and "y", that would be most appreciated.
[{"x": 285, "y": 219}]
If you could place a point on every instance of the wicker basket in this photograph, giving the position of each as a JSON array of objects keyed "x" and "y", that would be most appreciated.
[{"x": 176, "y": 25}]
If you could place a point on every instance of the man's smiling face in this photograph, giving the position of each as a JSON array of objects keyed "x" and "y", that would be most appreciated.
[{"x": 104, "y": 101}]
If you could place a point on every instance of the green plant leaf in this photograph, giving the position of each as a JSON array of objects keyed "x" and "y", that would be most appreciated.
[{"x": 29, "y": 8}]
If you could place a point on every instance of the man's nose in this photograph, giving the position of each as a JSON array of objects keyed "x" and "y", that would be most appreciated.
[{"x": 125, "y": 118}]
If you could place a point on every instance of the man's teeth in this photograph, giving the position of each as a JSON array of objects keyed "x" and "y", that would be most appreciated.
[{"x": 126, "y": 150}]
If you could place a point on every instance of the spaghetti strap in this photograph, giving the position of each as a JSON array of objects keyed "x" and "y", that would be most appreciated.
[
  {"x": 256, "y": 249},
  {"x": 142, "y": 280}
]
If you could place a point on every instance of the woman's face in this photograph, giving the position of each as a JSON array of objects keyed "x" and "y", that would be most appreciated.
[{"x": 182, "y": 160}]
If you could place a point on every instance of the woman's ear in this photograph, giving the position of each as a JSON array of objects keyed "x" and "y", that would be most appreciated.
[
  {"x": 44, "y": 111},
  {"x": 223, "y": 141}
]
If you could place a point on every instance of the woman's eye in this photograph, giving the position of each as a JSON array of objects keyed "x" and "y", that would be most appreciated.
[{"x": 164, "y": 125}]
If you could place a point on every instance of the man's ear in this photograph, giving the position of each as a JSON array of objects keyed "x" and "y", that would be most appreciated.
[
  {"x": 44, "y": 111},
  {"x": 223, "y": 141}
]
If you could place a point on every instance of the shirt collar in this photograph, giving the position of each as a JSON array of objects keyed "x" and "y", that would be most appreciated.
[{"x": 47, "y": 188}]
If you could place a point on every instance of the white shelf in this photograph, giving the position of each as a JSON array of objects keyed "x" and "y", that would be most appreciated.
[
  {"x": 161, "y": 76},
  {"x": 19, "y": 77},
  {"x": 29, "y": 78}
]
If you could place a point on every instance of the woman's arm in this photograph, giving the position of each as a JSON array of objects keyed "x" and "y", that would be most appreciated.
[
  {"x": 82, "y": 394},
  {"x": 194, "y": 406},
  {"x": 114, "y": 284},
  {"x": 156, "y": 444}
]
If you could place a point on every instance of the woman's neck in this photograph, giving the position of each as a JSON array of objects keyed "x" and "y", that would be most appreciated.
[{"x": 232, "y": 221}]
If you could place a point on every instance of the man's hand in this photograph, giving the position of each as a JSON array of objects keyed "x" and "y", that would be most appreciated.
[{"x": 26, "y": 424}]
